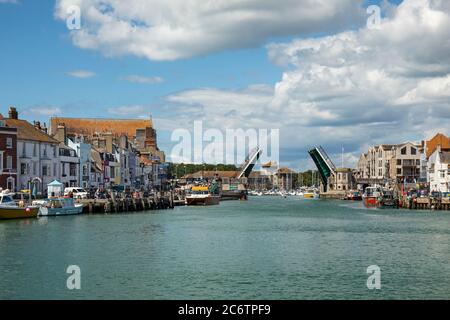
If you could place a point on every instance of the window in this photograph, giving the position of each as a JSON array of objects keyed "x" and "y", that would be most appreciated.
[
  {"x": 45, "y": 170},
  {"x": 24, "y": 150},
  {"x": 113, "y": 173},
  {"x": 9, "y": 143},
  {"x": 55, "y": 169},
  {"x": 399, "y": 162},
  {"x": 45, "y": 151},
  {"x": 23, "y": 168},
  {"x": 1, "y": 160},
  {"x": 10, "y": 183},
  {"x": 399, "y": 171},
  {"x": 34, "y": 149},
  {"x": 443, "y": 174},
  {"x": 9, "y": 162},
  {"x": 73, "y": 169},
  {"x": 403, "y": 151},
  {"x": 35, "y": 168},
  {"x": 413, "y": 151}
]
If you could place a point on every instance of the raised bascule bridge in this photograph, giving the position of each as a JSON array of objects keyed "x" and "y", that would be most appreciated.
[
  {"x": 324, "y": 165},
  {"x": 249, "y": 163},
  {"x": 237, "y": 189}
]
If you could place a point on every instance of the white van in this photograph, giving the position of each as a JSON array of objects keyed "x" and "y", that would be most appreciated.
[{"x": 78, "y": 193}]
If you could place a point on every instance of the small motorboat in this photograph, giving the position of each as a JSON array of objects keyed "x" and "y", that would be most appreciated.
[
  {"x": 59, "y": 206},
  {"x": 353, "y": 196},
  {"x": 389, "y": 200},
  {"x": 310, "y": 194},
  {"x": 372, "y": 197},
  {"x": 10, "y": 209}
]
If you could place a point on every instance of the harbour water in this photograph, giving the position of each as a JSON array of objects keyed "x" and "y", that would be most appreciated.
[{"x": 264, "y": 248}]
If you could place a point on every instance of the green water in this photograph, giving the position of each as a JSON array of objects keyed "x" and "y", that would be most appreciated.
[{"x": 264, "y": 248}]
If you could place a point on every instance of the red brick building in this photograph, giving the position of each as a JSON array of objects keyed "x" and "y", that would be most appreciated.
[{"x": 8, "y": 156}]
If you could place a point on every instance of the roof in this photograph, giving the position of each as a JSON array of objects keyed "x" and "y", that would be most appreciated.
[
  {"x": 90, "y": 126},
  {"x": 285, "y": 170},
  {"x": 55, "y": 183},
  {"x": 26, "y": 131},
  {"x": 438, "y": 139}
]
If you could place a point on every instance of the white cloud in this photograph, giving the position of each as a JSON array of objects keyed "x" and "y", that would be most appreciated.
[
  {"x": 81, "y": 74},
  {"x": 142, "y": 79},
  {"x": 45, "y": 111},
  {"x": 169, "y": 30},
  {"x": 131, "y": 111},
  {"x": 354, "y": 88}
]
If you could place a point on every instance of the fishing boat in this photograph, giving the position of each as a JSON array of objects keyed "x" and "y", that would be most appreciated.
[
  {"x": 372, "y": 197},
  {"x": 10, "y": 209},
  {"x": 201, "y": 196},
  {"x": 389, "y": 200},
  {"x": 59, "y": 206}
]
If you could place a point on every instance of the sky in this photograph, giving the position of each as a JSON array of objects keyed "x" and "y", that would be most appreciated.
[{"x": 314, "y": 70}]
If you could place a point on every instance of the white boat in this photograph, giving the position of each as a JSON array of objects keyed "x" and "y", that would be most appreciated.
[{"x": 58, "y": 207}]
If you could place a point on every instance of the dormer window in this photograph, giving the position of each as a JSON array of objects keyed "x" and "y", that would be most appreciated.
[{"x": 403, "y": 151}]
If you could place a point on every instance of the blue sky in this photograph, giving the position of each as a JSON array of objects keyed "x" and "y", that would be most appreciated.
[{"x": 39, "y": 53}]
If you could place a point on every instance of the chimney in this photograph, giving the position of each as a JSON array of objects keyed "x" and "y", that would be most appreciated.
[
  {"x": 109, "y": 142},
  {"x": 12, "y": 113},
  {"x": 61, "y": 133}
]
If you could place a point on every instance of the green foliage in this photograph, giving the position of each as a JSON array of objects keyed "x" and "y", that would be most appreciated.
[
  {"x": 306, "y": 178},
  {"x": 177, "y": 170}
]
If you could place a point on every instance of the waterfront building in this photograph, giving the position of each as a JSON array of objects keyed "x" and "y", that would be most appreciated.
[
  {"x": 69, "y": 166},
  {"x": 383, "y": 163},
  {"x": 376, "y": 163},
  {"x": 285, "y": 179},
  {"x": 83, "y": 152},
  {"x": 439, "y": 170},
  {"x": 342, "y": 180},
  {"x": 69, "y": 173},
  {"x": 259, "y": 181},
  {"x": 140, "y": 132},
  {"x": 97, "y": 173},
  {"x": 122, "y": 143},
  {"x": 270, "y": 169},
  {"x": 8, "y": 156},
  {"x": 37, "y": 152}
]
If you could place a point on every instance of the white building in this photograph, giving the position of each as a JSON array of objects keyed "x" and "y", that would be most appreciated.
[
  {"x": 69, "y": 166},
  {"x": 439, "y": 170},
  {"x": 37, "y": 154},
  {"x": 83, "y": 151}
]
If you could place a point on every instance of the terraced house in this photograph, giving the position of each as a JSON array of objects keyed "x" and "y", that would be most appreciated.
[
  {"x": 8, "y": 156},
  {"x": 37, "y": 154}
]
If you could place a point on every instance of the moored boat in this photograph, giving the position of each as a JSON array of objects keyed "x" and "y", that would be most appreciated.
[
  {"x": 60, "y": 206},
  {"x": 372, "y": 197},
  {"x": 9, "y": 209},
  {"x": 389, "y": 200},
  {"x": 201, "y": 196},
  {"x": 311, "y": 194},
  {"x": 353, "y": 196}
]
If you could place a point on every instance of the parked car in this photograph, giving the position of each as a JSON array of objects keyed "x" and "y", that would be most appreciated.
[{"x": 77, "y": 192}]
